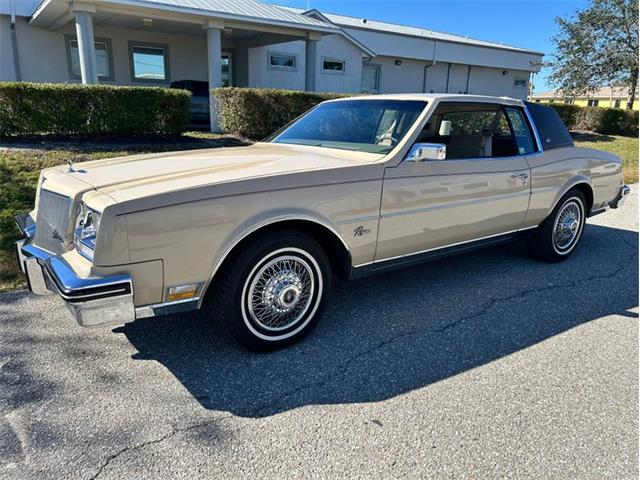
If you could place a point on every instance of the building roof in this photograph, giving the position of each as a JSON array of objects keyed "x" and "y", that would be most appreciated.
[
  {"x": 604, "y": 92},
  {"x": 386, "y": 27},
  {"x": 49, "y": 12},
  {"x": 246, "y": 8},
  {"x": 242, "y": 10}
]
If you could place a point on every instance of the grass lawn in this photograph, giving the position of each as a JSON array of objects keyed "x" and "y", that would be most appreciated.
[
  {"x": 22, "y": 160},
  {"x": 625, "y": 147}
]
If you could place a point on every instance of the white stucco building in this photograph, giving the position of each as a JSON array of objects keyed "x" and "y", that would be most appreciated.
[{"x": 246, "y": 43}]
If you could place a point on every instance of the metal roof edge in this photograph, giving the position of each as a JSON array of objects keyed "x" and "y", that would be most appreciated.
[
  {"x": 328, "y": 28},
  {"x": 459, "y": 40},
  {"x": 343, "y": 32}
]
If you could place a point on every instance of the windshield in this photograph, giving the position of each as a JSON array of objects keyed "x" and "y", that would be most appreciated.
[{"x": 374, "y": 126}]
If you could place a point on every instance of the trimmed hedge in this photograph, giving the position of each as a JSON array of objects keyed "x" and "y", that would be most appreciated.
[
  {"x": 608, "y": 121},
  {"x": 568, "y": 114},
  {"x": 258, "y": 112},
  {"x": 91, "y": 110}
]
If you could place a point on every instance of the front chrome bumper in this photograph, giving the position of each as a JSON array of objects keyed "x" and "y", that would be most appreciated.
[
  {"x": 621, "y": 197},
  {"x": 93, "y": 301}
]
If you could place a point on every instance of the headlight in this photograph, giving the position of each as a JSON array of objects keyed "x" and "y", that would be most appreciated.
[{"x": 86, "y": 231}]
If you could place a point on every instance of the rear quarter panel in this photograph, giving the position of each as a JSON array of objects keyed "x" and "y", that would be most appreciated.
[{"x": 556, "y": 171}]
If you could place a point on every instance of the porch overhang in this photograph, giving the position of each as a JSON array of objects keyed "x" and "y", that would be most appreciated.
[{"x": 53, "y": 14}]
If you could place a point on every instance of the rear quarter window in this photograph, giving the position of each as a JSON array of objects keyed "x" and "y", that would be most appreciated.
[{"x": 552, "y": 131}]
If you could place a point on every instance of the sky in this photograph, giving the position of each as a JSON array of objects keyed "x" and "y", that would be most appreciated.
[{"x": 522, "y": 23}]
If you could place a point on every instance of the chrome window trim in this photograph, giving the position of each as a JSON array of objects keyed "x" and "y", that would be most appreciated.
[{"x": 534, "y": 129}]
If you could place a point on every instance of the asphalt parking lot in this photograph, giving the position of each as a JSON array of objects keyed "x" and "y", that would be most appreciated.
[{"x": 485, "y": 365}]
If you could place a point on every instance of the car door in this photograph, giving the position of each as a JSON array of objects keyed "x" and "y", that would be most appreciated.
[{"x": 481, "y": 189}]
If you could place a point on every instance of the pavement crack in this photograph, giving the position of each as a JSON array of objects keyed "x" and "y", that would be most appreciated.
[{"x": 132, "y": 448}]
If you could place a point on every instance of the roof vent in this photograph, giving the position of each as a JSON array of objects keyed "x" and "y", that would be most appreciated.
[{"x": 364, "y": 20}]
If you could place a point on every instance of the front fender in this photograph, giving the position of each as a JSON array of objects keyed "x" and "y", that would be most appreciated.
[{"x": 266, "y": 219}]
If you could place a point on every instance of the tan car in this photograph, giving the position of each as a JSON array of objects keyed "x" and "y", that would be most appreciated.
[{"x": 355, "y": 186}]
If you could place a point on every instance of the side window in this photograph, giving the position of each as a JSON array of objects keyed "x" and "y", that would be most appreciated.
[
  {"x": 465, "y": 123},
  {"x": 522, "y": 132},
  {"x": 474, "y": 133}
]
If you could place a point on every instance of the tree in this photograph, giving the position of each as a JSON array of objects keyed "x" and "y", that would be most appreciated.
[{"x": 597, "y": 46}]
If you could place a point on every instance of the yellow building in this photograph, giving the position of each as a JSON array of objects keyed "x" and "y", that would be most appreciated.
[{"x": 609, "y": 97}]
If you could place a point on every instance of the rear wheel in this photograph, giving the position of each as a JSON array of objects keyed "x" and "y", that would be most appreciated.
[
  {"x": 273, "y": 293},
  {"x": 558, "y": 236}
]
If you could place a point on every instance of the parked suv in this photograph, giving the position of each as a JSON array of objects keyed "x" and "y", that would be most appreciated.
[{"x": 199, "y": 107}]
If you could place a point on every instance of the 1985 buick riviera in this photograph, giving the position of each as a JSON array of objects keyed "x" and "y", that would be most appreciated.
[{"x": 354, "y": 186}]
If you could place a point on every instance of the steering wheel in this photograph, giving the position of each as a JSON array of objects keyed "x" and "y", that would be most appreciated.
[{"x": 392, "y": 140}]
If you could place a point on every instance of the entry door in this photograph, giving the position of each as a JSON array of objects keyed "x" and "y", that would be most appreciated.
[
  {"x": 437, "y": 203},
  {"x": 227, "y": 73},
  {"x": 370, "y": 78}
]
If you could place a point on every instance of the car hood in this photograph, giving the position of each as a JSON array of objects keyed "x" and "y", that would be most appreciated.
[{"x": 242, "y": 169}]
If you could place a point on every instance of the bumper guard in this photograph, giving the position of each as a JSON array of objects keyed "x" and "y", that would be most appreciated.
[{"x": 620, "y": 198}]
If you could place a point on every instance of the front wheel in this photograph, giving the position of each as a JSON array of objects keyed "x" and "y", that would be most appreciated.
[
  {"x": 273, "y": 293},
  {"x": 558, "y": 236}
]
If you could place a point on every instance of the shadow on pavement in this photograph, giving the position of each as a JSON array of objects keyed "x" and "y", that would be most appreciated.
[{"x": 390, "y": 334}]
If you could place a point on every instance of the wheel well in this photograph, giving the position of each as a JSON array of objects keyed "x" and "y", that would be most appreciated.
[
  {"x": 335, "y": 249},
  {"x": 586, "y": 190}
]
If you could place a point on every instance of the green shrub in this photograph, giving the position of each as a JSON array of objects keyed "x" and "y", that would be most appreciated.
[
  {"x": 568, "y": 113},
  {"x": 629, "y": 123},
  {"x": 91, "y": 110},
  {"x": 609, "y": 121},
  {"x": 258, "y": 112}
]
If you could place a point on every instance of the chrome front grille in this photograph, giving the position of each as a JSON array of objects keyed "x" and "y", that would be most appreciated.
[{"x": 52, "y": 222}]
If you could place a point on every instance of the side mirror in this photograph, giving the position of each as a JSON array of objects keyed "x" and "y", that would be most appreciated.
[{"x": 427, "y": 151}]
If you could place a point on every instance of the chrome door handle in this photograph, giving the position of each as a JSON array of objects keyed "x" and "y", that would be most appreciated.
[{"x": 522, "y": 176}]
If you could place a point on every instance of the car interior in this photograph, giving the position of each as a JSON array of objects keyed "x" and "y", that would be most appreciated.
[{"x": 471, "y": 131}]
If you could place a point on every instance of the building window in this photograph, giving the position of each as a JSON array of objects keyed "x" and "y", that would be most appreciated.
[
  {"x": 103, "y": 58},
  {"x": 568, "y": 101},
  {"x": 617, "y": 103},
  {"x": 282, "y": 61},
  {"x": 520, "y": 82},
  {"x": 592, "y": 103},
  {"x": 370, "y": 78},
  {"x": 149, "y": 62},
  {"x": 331, "y": 65}
]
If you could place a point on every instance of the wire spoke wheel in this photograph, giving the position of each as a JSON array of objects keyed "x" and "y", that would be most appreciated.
[
  {"x": 280, "y": 293},
  {"x": 567, "y": 226}
]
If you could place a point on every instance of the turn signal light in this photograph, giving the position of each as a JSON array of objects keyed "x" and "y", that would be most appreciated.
[{"x": 182, "y": 292}]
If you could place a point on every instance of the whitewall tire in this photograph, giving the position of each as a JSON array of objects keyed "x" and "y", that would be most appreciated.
[{"x": 273, "y": 293}]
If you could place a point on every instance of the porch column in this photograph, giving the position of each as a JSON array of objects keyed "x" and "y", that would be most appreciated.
[
  {"x": 83, "y": 13},
  {"x": 214, "y": 60},
  {"x": 310, "y": 62}
]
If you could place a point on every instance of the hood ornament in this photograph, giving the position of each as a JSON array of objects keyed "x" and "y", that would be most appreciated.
[{"x": 70, "y": 168}]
